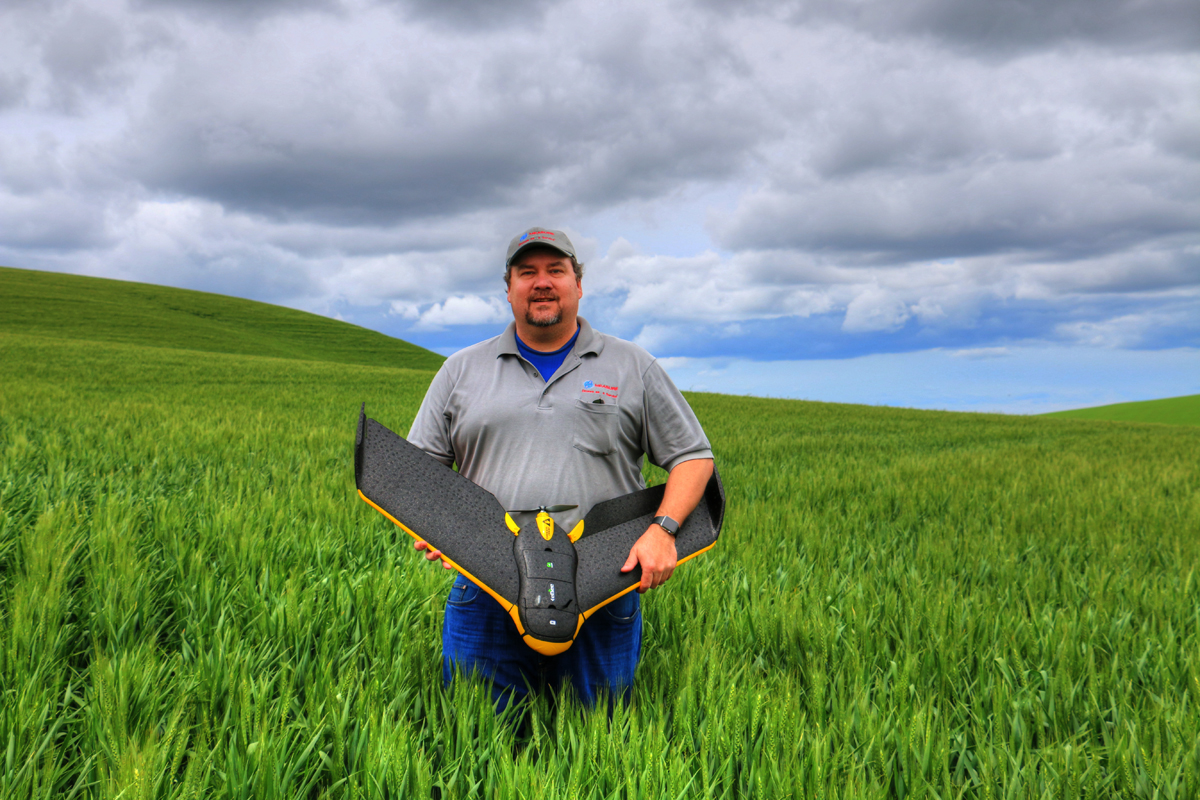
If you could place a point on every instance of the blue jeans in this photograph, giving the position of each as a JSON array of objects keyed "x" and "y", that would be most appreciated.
[{"x": 479, "y": 636}]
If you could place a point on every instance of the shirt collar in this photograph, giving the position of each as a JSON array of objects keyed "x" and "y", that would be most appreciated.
[{"x": 588, "y": 341}]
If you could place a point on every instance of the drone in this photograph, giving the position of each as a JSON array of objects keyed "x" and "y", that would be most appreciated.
[{"x": 549, "y": 581}]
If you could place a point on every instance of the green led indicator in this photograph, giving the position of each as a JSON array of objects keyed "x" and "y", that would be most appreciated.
[{"x": 550, "y": 564}]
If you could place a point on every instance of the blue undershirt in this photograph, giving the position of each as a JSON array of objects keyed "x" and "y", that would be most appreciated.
[{"x": 547, "y": 363}]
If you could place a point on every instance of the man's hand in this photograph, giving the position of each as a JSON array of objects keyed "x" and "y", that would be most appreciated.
[
  {"x": 655, "y": 551},
  {"x": 432, "y": 555}
]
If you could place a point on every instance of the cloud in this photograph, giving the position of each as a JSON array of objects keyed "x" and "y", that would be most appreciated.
[
  {"x": 364, "y": 120},
  {"x": 654, "y": 336},
  {"x": 1125, "y": 331},
  {"x": 13, "y": 87},
  {"x": 1003, "y": 27},
  {"x": 237, "y": 11},
  {"x": 674, "y": 363},
  {"x": 468, "y": 310},
  {"x": 83, "y": 53},
  {"x": 474, "y": 15},
  {"x": 804, "y": 178},
  {"x": 982, "y": 353},
  {"x": 875, "y": 309}
]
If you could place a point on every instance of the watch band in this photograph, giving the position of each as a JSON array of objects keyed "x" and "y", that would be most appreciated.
[{"x": 667, "y": 524}]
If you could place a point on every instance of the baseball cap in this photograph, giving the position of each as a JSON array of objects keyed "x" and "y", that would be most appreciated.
[{"x": 543, "y": 236}]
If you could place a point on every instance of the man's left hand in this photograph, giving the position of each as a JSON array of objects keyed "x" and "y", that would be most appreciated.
[{"x": 655, "y": 551}]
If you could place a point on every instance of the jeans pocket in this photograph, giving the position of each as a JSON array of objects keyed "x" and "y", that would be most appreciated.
[
  {"x": 462, "y": 593},
  {"x": 624, "y": 609},
  {"x": 596, "y": 428}
]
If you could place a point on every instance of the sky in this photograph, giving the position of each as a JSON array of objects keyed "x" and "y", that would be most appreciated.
[{"x": 958, "y": 204}]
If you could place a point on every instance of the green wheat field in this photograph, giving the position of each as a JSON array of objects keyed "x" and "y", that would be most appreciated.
[{"x": 195, "y": 604}]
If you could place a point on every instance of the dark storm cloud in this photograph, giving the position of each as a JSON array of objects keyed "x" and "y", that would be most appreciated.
[
  {"x": 289, "y": 180},
  {"x": 13, "y": 89},
  {"x": 410, "y": 133},
  {"x": 1046, "y": 208},
  {"x": 237, "y": 10},
  {"x": 51, "y": 222},
  {"x": 998, "y": 26},
  {"x": 476, "y": 14},
  {"x": 1024, "y": 25},
  {"x": 83, "y": 54}
]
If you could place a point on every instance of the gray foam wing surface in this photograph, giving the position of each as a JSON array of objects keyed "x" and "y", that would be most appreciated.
[
  {"x": 611, "y": 528},
  {"x": 433, "y": 501}
]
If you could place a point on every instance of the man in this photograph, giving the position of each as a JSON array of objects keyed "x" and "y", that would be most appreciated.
[{"x": 551, "y": 412}]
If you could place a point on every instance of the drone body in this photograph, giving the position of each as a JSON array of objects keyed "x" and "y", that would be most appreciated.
[{"x": 549, "y": 581}]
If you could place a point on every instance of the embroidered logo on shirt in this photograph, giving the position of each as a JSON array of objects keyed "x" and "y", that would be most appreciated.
[{"x": 593, "y": 391}]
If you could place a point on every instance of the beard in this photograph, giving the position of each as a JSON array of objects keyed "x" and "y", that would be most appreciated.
[{"x": 547, "y": 319}]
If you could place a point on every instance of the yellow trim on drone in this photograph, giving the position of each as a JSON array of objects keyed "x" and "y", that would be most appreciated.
[{"x": 545, "y": 525}]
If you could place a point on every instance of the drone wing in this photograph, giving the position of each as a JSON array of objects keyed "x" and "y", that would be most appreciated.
[
  {"x": 611, "y": 528},
  {"x": 433, "y": 503}
]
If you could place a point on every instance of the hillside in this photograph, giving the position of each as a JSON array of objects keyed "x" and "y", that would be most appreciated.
[
  {"x": 98, "y": 309},
  {"x": 1169, "y": 411}
]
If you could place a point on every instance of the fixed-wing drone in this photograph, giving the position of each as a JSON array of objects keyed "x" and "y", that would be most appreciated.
[{"x": 549, "y": 581}]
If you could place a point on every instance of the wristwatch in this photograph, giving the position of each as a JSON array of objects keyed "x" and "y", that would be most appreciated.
[{"x": 667, "y": 524}]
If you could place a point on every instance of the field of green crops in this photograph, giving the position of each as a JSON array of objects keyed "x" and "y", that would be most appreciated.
[
  {"x": 1167, "y": 411},
  {"x": 194, "y": 603}
]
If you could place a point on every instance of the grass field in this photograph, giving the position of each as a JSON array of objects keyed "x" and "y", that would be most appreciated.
[
  {"x": 193, "y": 603},
  {"x": 96, "y": 309},
  {"x": 1169, "y": 411}
]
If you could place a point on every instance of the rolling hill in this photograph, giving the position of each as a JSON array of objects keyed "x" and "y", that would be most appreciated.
[
  {"x": 1168, "y": 411},
  {"x": 61, "y": 306}
]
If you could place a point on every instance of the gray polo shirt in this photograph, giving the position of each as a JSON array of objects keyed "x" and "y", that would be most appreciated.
[{"x": 578, "y": 438}]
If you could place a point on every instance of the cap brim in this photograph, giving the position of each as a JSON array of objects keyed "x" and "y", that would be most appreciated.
[{"x": 528, "y": 245}]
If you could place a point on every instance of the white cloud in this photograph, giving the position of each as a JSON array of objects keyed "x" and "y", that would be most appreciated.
[
  {"x": 674, "y": 362},
  {"x": 704, "y": 288},
  {"x": 979, "y": 353},
  {"x": 654, "y": 336},
  {"x": 405, "y": 310},
  {"x": 464, "y": 310},
  {"x": 875, "y": 309},
  {"x": 1124, "y": 331}
]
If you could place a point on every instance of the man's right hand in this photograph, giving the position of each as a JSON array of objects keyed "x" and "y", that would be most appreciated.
[{"x": 432, "y": 555}]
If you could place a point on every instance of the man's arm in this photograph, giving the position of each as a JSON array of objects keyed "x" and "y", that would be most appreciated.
[{"x": 655, "y": 550}]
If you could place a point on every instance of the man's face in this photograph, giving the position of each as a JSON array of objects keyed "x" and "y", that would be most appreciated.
[{"x": 542, "y": 288}]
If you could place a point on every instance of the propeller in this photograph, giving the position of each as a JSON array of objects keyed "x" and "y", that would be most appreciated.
[{"x": 547, "y": 509}]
